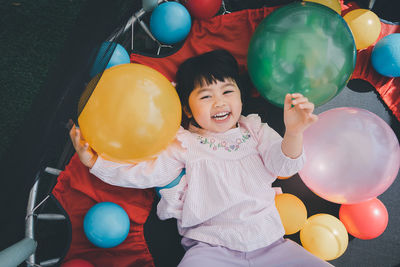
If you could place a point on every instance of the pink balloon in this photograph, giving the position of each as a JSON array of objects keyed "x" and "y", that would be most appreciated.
[{"x": 352, "y": 155}]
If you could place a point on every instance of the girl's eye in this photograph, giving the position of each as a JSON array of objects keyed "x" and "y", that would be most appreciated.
[
  {"x": 204, "y": 97},
  {"x": 227, "y": 92}
]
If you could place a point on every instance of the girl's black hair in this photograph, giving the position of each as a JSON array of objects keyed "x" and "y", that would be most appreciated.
[{"x": 203, "y": 70}]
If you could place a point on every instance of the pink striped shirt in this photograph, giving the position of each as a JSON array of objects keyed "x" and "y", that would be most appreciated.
[{"x": 228, "y": 198}]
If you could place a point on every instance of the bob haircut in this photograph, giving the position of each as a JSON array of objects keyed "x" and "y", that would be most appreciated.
[{"x": 203, "y": 70}]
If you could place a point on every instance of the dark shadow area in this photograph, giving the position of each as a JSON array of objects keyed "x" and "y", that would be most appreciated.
[
  {"x": 163, "y": 239},
  {"x": 360, "y": 86},
  {"x": 387, "y": 10},
  {"x": 384, "y": 9}
]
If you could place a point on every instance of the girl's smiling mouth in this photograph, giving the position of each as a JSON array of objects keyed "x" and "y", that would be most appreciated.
[{"x": 221, "y": 116}]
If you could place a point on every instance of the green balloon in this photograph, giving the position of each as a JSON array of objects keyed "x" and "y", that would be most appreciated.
[{"x": 302, "y": 48}]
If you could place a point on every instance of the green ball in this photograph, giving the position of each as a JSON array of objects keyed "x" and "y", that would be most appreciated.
[{"x": 302, "y": 48}]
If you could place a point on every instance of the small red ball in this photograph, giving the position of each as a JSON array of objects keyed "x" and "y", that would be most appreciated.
[
  {"x": 202, "y": 9},
  {"x": 365, "y": 220}
]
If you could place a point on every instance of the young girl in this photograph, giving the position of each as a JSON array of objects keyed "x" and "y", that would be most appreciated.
[{"x": 227, "y": 214}]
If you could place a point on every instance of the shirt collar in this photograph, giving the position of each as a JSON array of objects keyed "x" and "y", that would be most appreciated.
[{"x": 201, "y": 131}]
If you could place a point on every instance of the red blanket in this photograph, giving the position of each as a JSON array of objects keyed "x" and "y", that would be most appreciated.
[
  {"x": 233, "y": 32},
  {"x": 77, "y": 191}
]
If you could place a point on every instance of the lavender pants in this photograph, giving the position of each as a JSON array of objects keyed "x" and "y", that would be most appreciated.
[{"x": 284, "y": 252}]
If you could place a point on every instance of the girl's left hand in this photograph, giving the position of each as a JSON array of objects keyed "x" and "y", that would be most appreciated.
[{"x": 298, "y": 114}]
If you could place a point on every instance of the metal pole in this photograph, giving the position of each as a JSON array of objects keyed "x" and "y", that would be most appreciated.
[
  {"x": 17, "y": 253},
  {"x": 371, "y": 4},
  {"x": 29, "y": 224}
]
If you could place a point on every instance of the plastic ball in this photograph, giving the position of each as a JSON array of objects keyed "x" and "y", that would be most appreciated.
[
  {"x": 132, "y": 114},
  {"x": 365, "y": 220},
  {"x": 292, "y": 211},
  {"x": 109, "y": 55},
  {"x": 106, "y": 224},
  {"x": 386, "y": 55},
  {"x": 202, "y": 9},
  {"x": 301, "y": 47},
  {"x": 332, "y": 4},
  {"x": 324, "y": 236},
  {"x": 365, "y": 26},
  {"x": 77, "y": 263},
  {"x": 352, "y": 156},
  {"x": 170, "y": 22}
]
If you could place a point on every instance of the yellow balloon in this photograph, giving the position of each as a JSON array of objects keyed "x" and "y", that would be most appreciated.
[
  {"x": 133, "y": 113},
  {"x": 284, "y": 178},
  {"x": 332, "y": 4},
  {"x": 325, "y": 236},
  {"x": 364, "y": 25},
  {"x": 292, "y": 211}
]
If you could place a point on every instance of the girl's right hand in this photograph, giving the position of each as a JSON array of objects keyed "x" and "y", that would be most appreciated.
[{"x": 86, "y": 154}]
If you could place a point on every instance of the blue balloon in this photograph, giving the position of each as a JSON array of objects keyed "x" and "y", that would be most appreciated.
[
  {"x": 175, "y": 182},
  {"x": 386, "y": 55},
  {"x": 105, "y": 58},
  {"x": 106, "y": 224},
  {"x": 170, "y": 22}
]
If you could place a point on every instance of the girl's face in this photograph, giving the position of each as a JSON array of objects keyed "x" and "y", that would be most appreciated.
[{"x": 216, "y": 107}]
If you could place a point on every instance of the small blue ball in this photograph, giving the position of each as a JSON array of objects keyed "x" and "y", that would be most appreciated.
[
  {"x": 119, "y": 56},
  {"x": 170, "y": 22},
  {"x": 106, "y": 224},
  {"x": 386, "y": 55}
]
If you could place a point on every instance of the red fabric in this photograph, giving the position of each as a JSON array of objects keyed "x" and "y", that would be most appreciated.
[
  {"x": 230, "y": 31},
  {"x": 77, "y": 191},
  {"x": 233, "y": 32}
]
